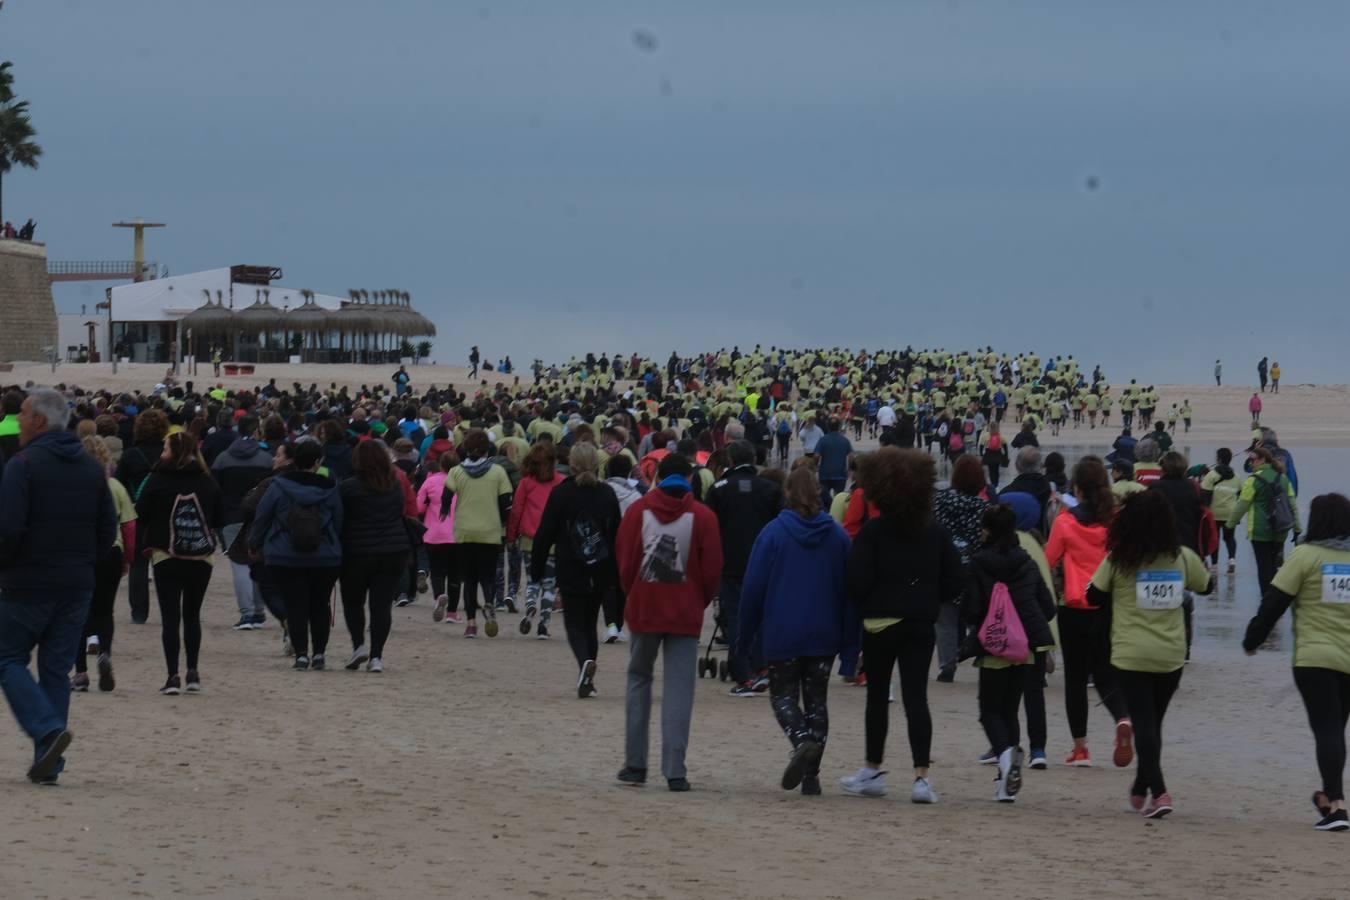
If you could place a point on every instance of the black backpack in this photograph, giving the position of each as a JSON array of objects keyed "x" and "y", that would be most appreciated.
[
  {"x": 189, "y": 535},
  {"x": 1275, "y": 505},
  {"x": 305, "y": 525},
  {"x": 588, "y": 539}
]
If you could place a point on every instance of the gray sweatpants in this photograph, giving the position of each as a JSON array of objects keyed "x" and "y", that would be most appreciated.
[
  {"x": 677, "y": 698},
  {"x": 244, "y": 593}
]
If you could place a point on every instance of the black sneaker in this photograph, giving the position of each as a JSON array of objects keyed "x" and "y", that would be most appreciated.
[
  {"x": 1335, "y": 821},
  {"x": 805, "y": 757},
  {"x": 44, "y": 767},
  {"x": 259, "y": 621},
  {"x": 586, "y": 681},
  {"x": 947, "y": 675},
  {"x": 511, "y": 605},
  {"x": 541, "y": 633},
  {"x": 677, "y": 785},
  {"x": 194, "y": 682},
  {"x": 742, "y": 690},
  {"x": 301, "y": 663},
  {"x": 105, "y": 673},
  {"x": 810, "y": 786},
  {"x": 630, "y": 775},
  {"x": 79, "y": 683},
  {"x": 171, "y": 687},
  {"x": 245, "y": 623},
  {"x": 318, "y": 662}
]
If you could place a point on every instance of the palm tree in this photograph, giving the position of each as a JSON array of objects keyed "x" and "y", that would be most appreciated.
[
  {"x": 17, "y": 147},
  {"x": 423, "y": 349}
]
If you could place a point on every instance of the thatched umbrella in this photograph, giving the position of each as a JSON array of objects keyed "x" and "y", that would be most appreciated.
[
  {"x": 263, "y": 320},
  {"x": 209, "y": 320},
  {"x": 311, "y": 320},
  {"x": 421, "y": 325}
]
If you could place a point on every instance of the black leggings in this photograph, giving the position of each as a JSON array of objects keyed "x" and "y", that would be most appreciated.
[
  {"x": 1085, "y": 639},
  {"x": 1147, "y": 695},
  {"x": 1000, "y": 696},
  {"x": 580, "y": 612},
  {"x": 1326, "y": 696},
  {"x": 478, "y": 570},
  {"x": 614, "y": 600},
  {"x": 797, "y": 691},
  {"x": 307, "y": 592},
  {"x": 911, "y": 645},
  {"x": 1269, "y": 557},
  {"x": 181, "y": 586},
  {"x": 374, "y": 576},
  {"x": 444, "y": 572},
  {"x": 107, "y": 575},
  {"x": 1229, "y": 540}
]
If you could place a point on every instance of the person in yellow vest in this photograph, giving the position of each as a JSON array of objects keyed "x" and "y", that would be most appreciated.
[
  {"x": 1275, "y": 376},
  {"x": 215, "y": 360}
]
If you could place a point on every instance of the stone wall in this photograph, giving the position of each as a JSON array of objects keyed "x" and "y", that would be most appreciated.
[{"x": 27, "y": 312}]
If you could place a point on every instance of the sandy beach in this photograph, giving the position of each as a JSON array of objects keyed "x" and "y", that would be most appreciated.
[{"x": 470, "y": 769}]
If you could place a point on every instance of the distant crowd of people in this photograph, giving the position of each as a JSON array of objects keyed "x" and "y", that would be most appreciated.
[{"x": 633, "y": 508}]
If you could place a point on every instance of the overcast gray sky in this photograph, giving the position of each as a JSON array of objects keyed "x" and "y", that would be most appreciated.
[{"x": 1147, "y": 185}]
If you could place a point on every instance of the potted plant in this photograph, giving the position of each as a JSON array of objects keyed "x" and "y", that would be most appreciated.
[{"x": 297, "y": 344}]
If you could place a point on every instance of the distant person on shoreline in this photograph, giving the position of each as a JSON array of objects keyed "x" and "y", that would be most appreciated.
[
  {"x": 1218, "y": 373},
  {"x": 1254, "y": 407},
  {"x": 1275, "y": 377},
  {"x": 473, "y": 361},
  {"x": 1261, "y": 373}
]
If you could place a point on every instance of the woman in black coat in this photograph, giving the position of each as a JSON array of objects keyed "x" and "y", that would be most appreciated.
[
  {"x": 375, "y": 548},
  {"x": 579, "y": 526},
  {"x": 1002, "y": 681}
]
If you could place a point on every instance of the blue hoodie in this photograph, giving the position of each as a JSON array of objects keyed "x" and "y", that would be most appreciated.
[
  {"x": 269, "y": 532},
  {"x": 794, "y": 599}
]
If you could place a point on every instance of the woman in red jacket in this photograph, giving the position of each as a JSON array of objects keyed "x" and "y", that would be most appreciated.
[
  {"x": 1078, "y": 540},
  {"x": 539, "y": 479}
]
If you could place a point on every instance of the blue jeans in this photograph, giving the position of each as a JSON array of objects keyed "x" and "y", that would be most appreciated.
[{"x": 54, "y": 625}]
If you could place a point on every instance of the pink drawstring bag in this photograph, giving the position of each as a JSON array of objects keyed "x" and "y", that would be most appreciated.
[{"x": 1002, "y": 634}]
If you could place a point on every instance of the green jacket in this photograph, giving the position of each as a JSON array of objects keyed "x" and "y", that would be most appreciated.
[{"x": 1258, "y": 526}]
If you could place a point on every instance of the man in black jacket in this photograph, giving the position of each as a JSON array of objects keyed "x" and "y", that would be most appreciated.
[
  {"x": 744, "y": 503},
  {"x": 237, "y": 470},
  {"x": 57, "y": 519},
  {"x": 1030, "y": 479},
  {"x": 219, "y": 440}
]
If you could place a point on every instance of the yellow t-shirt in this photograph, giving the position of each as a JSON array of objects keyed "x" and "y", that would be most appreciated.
[
  {"x": 1148, "y": 629},
  {"x": 1319, "y": 580},
  {"x": 126, "y": 509}
]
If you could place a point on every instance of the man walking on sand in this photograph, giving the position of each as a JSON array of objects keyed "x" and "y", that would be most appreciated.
[
  {"x": 1262, "y": 371},
  {"x": 1218, "y": 373},
  {"x": 670, "y": 558},
  {"x": 57, "y": 519}
]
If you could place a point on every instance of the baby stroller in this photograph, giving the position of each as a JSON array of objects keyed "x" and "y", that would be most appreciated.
[{"x": 708, "y": 667}]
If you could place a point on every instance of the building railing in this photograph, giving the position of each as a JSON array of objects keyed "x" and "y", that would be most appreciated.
[{"x": 91, "y": 269}]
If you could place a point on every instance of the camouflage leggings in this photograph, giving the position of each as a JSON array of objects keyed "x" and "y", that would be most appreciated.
[{"x": 804, "y": 678}]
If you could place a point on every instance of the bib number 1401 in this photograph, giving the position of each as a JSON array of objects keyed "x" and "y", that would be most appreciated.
[
  {"x": 1336, "y": 583},
  {"x": 1158, "y": 590}
]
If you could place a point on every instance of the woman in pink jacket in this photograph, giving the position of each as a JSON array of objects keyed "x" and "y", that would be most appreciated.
[
  {"x": 540, "y": 477},
  {"x": 440, "y": 541}
]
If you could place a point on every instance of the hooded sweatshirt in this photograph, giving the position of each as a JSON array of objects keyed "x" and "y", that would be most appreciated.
[
  {"x": 269, "y": 532},
  {"x": 156, "y": 504},
  {"x": 479, "y": 514},
  {"x": 670, "y": 560},
  {"x": 528, "y": 506},
  {"x": 237, "y": 471},
  {"x": 625, "y": 490},
  {"x": 1081, "y": 544},
  {"x": 57, "y": 518},
  {"x": 440, "y": 529},
  {"x": 794, "y": 599}
]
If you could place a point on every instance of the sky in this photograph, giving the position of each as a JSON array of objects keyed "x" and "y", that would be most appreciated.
[{"x": 1146, "y": 185}]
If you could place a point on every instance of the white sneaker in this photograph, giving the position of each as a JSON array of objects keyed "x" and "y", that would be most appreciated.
[
  {"x": 1001, "y": 793},
  {"x": 865, "y": 783},
  {"x": 1232, "y": 566},
  {"x": 359, "y": 655},
  {"x": 1010, "y": 771},
  {"x": 375, "y": 665},
  {"x": 922, "y": 792},
  {"x": 611, "y": 634}
]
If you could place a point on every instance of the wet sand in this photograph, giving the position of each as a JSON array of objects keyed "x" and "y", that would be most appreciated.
[{"x": 470, "y": 769}]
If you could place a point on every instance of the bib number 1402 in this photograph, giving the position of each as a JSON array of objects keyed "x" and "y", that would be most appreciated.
[
  {"x": 1158, "y": 590},
  {"x": 1336, "y": 583}
]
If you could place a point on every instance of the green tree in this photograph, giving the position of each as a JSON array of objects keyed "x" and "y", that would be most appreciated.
[
  {"x": 423, "y": 349},
  {"x": 406, "y": 349},
  {"x": 17, "y": 147}
]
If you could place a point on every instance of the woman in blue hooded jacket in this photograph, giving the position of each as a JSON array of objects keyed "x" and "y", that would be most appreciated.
[{"x": 794, "y": 603}]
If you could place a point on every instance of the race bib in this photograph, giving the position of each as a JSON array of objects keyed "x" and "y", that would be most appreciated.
[
  {"x": 1160, "y": 589},
  {"x": 1335, "y": 583}
]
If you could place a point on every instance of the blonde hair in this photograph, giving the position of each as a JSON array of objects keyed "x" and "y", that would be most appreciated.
[
  {"x": 583, "y": 461},
  {"x": 95, "y": 447}
]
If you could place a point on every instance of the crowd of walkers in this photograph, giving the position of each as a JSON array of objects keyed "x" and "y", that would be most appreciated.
[{"x": 631, "y": 510}]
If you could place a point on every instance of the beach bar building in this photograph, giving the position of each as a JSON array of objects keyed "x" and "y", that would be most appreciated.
[{"x": 244, "y": 313}]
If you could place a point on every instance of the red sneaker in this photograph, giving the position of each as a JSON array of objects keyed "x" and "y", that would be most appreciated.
[
  {"x": 1124, "y": 753},
  {"x": 1080, "y": 757},
  {"x": 1158, "y": 807},
  {"x": 471, "y": 631},
  {"x": 1137, "y": 802}
]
